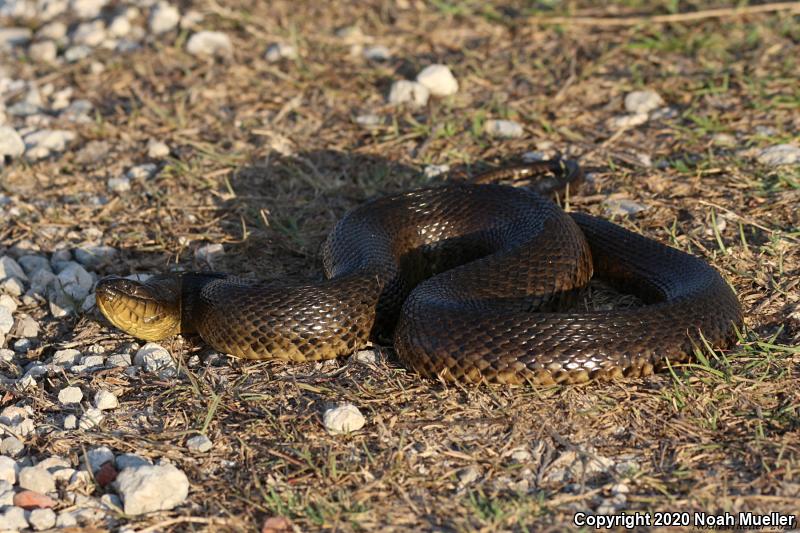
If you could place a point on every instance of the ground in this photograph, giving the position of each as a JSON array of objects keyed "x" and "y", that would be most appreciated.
[{"x": 266, "y": 156}]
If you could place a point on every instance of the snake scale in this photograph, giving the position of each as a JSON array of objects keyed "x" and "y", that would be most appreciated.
[{"x": 467, "y": 279}]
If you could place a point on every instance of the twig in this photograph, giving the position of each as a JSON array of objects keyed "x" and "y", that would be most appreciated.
[{"x": 675, "y": 17}]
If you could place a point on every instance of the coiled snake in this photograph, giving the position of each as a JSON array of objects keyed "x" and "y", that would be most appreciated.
[{"x": 463, "y": 275}]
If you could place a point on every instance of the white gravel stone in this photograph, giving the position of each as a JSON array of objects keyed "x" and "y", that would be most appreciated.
[
  {"x": 627, "y": 121},
  {"x": 11, "y": 446},
  {"x": 77, "y": 52},
  {"x": 41, "y": 519},
  {"x": 155, "y": 358},
  {"x": 105, "y": 400},
  {"x": 369, "y": 120},
  {"x": 70, "y": 422},
  {"x": 70, "y": 395},
  {"x": 157, "y": 149},
  {"x": 209, "y": 43},
  {"x": 503, "y": 129},
  {"x": 55, "y": 31},
  {"x": 87, "y": 9},
  {"x": 210, "y": 254},
  {"x": 779, "y": 155},
  {"x": 11, "y": 37},
  {"x": 11, "y": 144},
  {"x": 378, "y": 53},
  {"x": 6, "y": 321},
  {"x": 438, "y": 79},
  {"x": 42, "y": 143},
  {"x": 75, "y": 281},
  {"x": 725, "y": 140},
  {"x": 408, "y": 92},
  {"x": 131, "y": 460},
  {"x": 277, "y": 51},
  {"x": 142, "y": 172},
  {"x": 99, "y": 456},
  {"x": 90, "y": 33},
  {"x": 36, "y": 479},
  {"x": 638, "y": 102},
  {"x": 8, "y": 469},
  {"x": 118, "y": 185},
  {"x": 199, "y": 444},
  {"x": 120, "y": 26},
  {"x": 13, "y": 519},
  {"x": 163, "y": 18},
  {"x": 66, "y": 358},
  {"x": 431, "y": 171},
  {"x": 343, "y": 419},
  {"x": 468, "y": 475},
  {"x": 27, "y": 327},
  {"x": 6, "y": 491},
  {"x": 119, "y": 360},
  {"x": 66, "y": 519},
  {"x": 91, "y": 418},
  {"x": 151, "y": 488},
  {"x": 6, "y": 355},
  {"x": 622, "y": 206}
]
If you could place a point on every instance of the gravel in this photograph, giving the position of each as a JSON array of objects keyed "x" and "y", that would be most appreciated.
[
  {"x": 199, "y": 444},
  {"x": 41, "y": 519},
  {"x": 11, "y": 144},
  {"x": 155, "y": 358},
  {"x": 105, "y": 400},
  {"x": 42, "y": 143},
  {"x": 163, "y": 18},
  {"x": 278, "y": 51}
]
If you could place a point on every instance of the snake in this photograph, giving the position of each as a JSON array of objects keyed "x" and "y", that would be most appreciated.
[{"x": 468, "y": 280}]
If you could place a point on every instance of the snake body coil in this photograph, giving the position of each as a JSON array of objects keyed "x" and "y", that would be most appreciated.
[{"x": 463, "y": 276}]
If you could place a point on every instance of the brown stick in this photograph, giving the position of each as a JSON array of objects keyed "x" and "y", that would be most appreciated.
[{"x": 675, "y": 17}]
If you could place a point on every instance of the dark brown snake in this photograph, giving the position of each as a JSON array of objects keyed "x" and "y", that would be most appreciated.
[{"x": 463, "y": 275}]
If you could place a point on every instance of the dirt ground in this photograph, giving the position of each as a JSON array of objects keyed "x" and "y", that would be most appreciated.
[{"x": 266, "y": 156}]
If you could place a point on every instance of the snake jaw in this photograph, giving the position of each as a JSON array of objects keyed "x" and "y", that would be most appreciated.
[{"x": 148, "y": 311}]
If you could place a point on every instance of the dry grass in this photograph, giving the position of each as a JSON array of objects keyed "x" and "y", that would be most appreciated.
[{"x": 266, "y": 157}]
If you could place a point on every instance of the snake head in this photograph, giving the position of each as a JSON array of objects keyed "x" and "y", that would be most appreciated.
[{"x": 149, "y": 310}]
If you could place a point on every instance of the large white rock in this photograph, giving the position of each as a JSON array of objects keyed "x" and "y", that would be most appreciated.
[
  {"x": 411, "y": 92},
  {"x": 343, "y": 419},
  {"x": 638, "y": 102},
  {"x": 209, "y": 43},
  {"x": 151, "y": 488},
  {"x": 163, "y": 18},
  {"x": 11, "y": 144},
  {"x": 438, "y": 79},
  {"x": 778, "y": 155}
]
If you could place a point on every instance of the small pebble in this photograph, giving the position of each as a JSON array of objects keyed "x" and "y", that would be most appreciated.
[
  {"x": 410, "y": 92},
  {"x": 119, "y": 185},
  {"x": 29, "y": 499},
  {"x": 622, "y": 206},
  {"x": 277, "y": 51},
  {"x": 638, "y": 102},
  {"x": 119, "y": 360},
  {"x": 66, "y": 358},
  {"x": 142, "y": 172},
  {"x": 105, "y": 400},
  {"x": 343, "y": 419},
  {"x": 725, "y": 140},
  {"x": 90, "y": 33},
  {"x": 438, "y": 79},
  {"x": 431, "y": 171},
  {"x": 503, "y": 129},
  {"x": 627, "y": 121},
  {"x": 55, "y": 31},
  {"x": 8, "y": 469},
  {"x": 70, "y": 395},
  {"x": 209, "y": 43},
  {"x": 379, "y": 53},
  {"x": 210, "y": 254},
  {"x": 40, "y": 144},
  {"x": 199, "y": 444},
  {"x": 91, "y": 418},
  {"x": 76, "y": 53},
  {"x": 157, "y": 149},
  {"x": 468, "y": 475},
  {"x": 6, "y": 321},
  {"x": 155, "y": 358},
  {"x": 11, "y": 37},
  {"x": 70, "y": 422}
]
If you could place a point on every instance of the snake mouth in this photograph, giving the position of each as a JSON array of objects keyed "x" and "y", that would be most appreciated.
[{"x": 143, "y": 310}]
